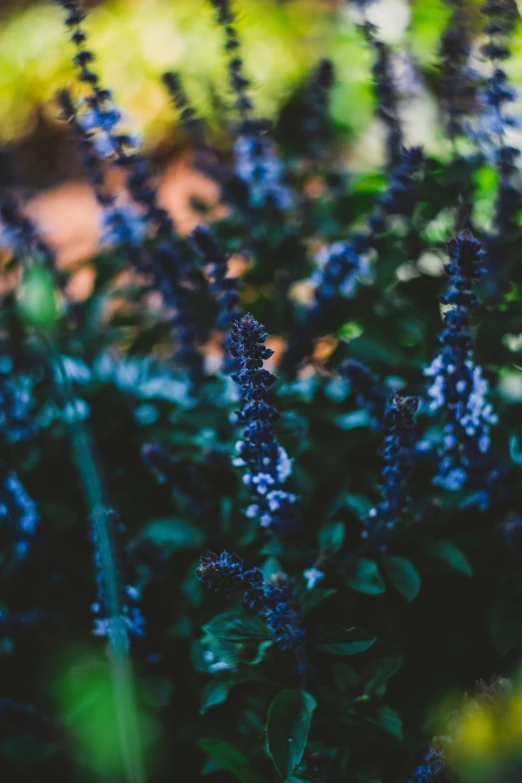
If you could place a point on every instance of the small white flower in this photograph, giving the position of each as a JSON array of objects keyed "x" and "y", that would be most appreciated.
[
  {"x": 312, "y": 576},
  {"x": 284, "y": 465}
]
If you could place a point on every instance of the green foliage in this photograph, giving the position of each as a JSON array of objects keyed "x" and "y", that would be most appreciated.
[
  {"x": 392, "y": 632},
  {"x": 364, "y": 576},
  {"x": 288, "y": 724},
  {"x": 344, "y": 641},
  {"x": 404, "y": 576},
  {"x": 37, "y": 298},
  {"x": 229, "y": 758}
]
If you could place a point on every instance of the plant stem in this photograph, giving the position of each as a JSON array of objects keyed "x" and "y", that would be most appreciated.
[{"x": 118, "y": 639}]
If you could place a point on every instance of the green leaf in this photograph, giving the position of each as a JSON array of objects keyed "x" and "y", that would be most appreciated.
[
  {"x": 345, "y": 677},
  {"x": 452, "y": 555},
  {"x": 331, "y": 537},
  {"x": 390, "y": 720},
  {"x": 270, "y": 567},
  {"x": 506, "y": 623},
  {"x": 378, "y": 673},
  {"x": 404, "y": 576},
  {"x": 358, "y": 504},
  {"x": 237, "y": 627},
  {"x": 173, "y": 534},
  {"x": 514, "y": 449},
  {"x": 37, "y": 297},
  {"x": 364, "y": 576},
  {"x": 158, "y": 690},
  {"x": 231, "y": 759},
  {"x": 353, "y": 420},
  {"x": 213, "y": 693},
  {"x": 312, "y": 598},
  {"x": 345, "y": 641},
  {"x": 288, "y": 724}
]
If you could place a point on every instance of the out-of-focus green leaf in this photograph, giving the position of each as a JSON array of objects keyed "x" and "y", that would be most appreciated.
[
  {"x": 231, "y": 759},
  {"x": 37, "y": 297},
  {"x": 390, "y": 720},
  {"x": 452, "y": 555},
  {"x": 344, "y": 641},
  {"x": 237, "y": 627},
  {"x": 331, "y": 537},
  {"x": 379, "y": 673},
  {"x": 173, "y": 534},
  {"x": 350, "y": 421},
  {"x": 404, "y": 576},
  {"x": 363, "y": 575},
  {"x": 288, "y": 724},
  {"x": 213, "y": 693}
]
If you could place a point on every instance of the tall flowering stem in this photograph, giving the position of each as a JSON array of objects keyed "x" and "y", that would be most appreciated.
[
  {"x": 224, "y": 286},
  {"x": 122, "y": 224},
  {"x": 187, "y": 113},
  {"x": 239, "y": 83},
  {"x": 458, "y": 387},
  {"x": 103, "y": 121},
  {"x": 386, "y": 94},
  {"x": 317, "y": 104},
  {"x": 226, "y": 574},
  {"x": 342, "y": 263},
  {"x": 257, "y": 165},
  {"x": 117, "y": 617},
  {"x": 169, "y": 261},
  {"x": 266, "y": 462},
  {"x": 458, "y": 86},
  {"x": 397, "y": 453},
  {"x": 501, "y": 16}
]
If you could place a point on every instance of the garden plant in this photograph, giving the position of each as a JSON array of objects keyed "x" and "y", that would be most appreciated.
[{"x": 260, "y": 488}]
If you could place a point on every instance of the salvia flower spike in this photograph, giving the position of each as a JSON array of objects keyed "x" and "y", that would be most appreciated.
[
  {"x": 397, "y": 453},
  {"x": 227, "y": 575},
  {"x": 267, "y": 463},
  {"x": 458, "y": 387}
]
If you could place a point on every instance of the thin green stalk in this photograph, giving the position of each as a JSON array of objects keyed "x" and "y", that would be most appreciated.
[{"x": 118, "y": 645}]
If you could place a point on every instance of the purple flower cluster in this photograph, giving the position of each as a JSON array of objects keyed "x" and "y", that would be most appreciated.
[
  {"x": 16, "y": 401},
  {"x": 122, "y": 224},
  {"x": 397, "y": 452},
  {"x": 458, "y": 387},
  {"x": 267, "y": 463},
  {"x": 260, "y": 169},
  {"x": 18, "y": 512},
  {"x": 434, "y": 767},
  {"x": 226, "y": 574}
]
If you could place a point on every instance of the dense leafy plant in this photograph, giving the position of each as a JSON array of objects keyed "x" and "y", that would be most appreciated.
[{"x": 293, "y": 562}]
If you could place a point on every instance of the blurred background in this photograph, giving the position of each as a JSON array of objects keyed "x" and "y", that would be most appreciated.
[{"x": 138, "y": 40}]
